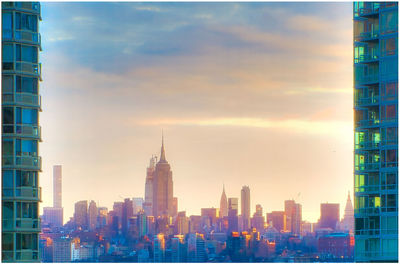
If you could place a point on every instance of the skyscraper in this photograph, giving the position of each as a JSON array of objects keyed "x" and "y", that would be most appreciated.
[
  {"x": 245, "y": 207},
  {"x": 278, "y": 220},
  {"x": 293, "y": 216},
  {"x": 376, "y": 131},
  {"x": 162, "y": 186},
  {"x": 329, "y": 215},
  {"x": 21, "y": 133},
  {"x": 92, "y": 215},
  {"x": 347, "y": 222},
  {"x": 127, "y": 212},
  {"x": 57, "y": 186},
  {"x": 223, "y": 205},
  {"x": 148, "y": 192},
  {"x": 81, "y": 215},
  {"x": 233, "y": 221}
]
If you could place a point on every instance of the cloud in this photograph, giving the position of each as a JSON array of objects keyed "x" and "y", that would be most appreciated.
[{"x": 337, "y": 128}]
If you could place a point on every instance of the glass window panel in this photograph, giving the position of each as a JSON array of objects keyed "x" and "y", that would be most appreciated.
[
  {"x": 8, "y": 209},
  {"x": 7, "y": 147},
  {"x": 7, "y": 84},
  {"x": 7, "y": 178},
  {"x": 8, "y": 115},
  {"x": 7, "y": 241},
  {"x": 391, "y": 111},
  {"x": 29, "y": 147},
  {"x": 8, "y": 53},
  {"x": 18, "y": 20},
  {"x": 7, "y": 21}
]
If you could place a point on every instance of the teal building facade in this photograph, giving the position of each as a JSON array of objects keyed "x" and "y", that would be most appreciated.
[
  {"x": 376, "y": 131},
  {"x": 21, "y": 133}
]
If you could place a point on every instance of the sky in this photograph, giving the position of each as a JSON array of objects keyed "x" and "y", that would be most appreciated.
[{"x": 256, "y": 94}]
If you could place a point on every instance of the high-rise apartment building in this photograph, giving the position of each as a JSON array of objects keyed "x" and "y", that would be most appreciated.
[
  {"x": 21, "y": 133},
  {"x": 57, "y": 186},
  {"x": 376, "y": 131},
  {"x": 148, "y": 192},
  {"x": 162, "y": 187},
  {"x": 245, "y": 207}
]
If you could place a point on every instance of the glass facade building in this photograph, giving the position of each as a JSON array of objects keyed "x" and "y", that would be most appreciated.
[
  {"x": 21, "y": 134},
  {"x": 376, "y": 131}
]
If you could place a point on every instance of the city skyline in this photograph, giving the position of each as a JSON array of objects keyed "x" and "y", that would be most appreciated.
[{"x": 233, "y": 111}]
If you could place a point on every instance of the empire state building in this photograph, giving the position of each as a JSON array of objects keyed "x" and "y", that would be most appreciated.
[{"x": 162, "y": 187}]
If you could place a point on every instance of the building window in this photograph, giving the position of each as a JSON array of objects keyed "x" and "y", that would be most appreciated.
[
  {"x": 7, "y": 84},
  {"x": 26, "y": 115},
  {"x": 27, "y": 53},
  {"x": 7, "y": 25},
  {"x": 8, "y": 53},
  {"x": 27, "y": 85},
  {"x": 27, "y": 210},
  {"x": 8, "y": 210},
  {"x": 8, "y": 120},
  {"x": 389, "y": 21},
  {"x": 7, "y": 241},
  {"x": 7, "y": 179},
  {"x": 26, "y": 22},
  {"x": 389, "y": 46},
  {"x": 26, "y": 241},
  {"x": 26, "y": 178}
]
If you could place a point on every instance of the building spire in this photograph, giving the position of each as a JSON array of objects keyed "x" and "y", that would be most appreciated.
[{"x": 162, "y": 157}]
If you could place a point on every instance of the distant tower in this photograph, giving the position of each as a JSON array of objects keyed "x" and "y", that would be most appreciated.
[
  {"x": 92, "y": 215},
  {"x": 245, "y": 207},
  {"x": 329, "y": 215},
  {"x": 57, "y": 186},
  {"x": 81, "y": 215},
  {"x": 223, "y": 205},
  {"x": 293, "y": 216},
  {"x": 148, "y": 193},
  {"x": 348, "y": 219},
  {"x": 162, "y": 186}
]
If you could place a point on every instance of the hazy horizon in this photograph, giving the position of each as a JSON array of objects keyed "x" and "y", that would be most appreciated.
[{"x": 256, "y": 94}]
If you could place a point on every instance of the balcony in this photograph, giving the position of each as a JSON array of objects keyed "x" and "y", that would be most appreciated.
[
  {"x": 368, "y": 123},
  {"x": 367, "y": 101},
  {"x": 23, "y": 193},
  {"x": 367, "y": 145},
  {"x": 367, "y": 79},
  {"x": 367, "y": 211},
  {"x": 367, "y": 58},
  {"x": 367, "y": 232},
  {"x": 367, "y": 189},
  {"x": 23, "y": 130},
  {"x": 21, "y": 224},
  {"x": 23, "y": 36},
  {"x": 368, "y": 36},
  {"x": 369, "y": 9},
  {"x": 373, "y": 166},
  {"x": 24, "y": 68},
  {"x": 33, "y": 7},
  {"x": 22, "y": 162},
  {"x": 24, "y": 99}
]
